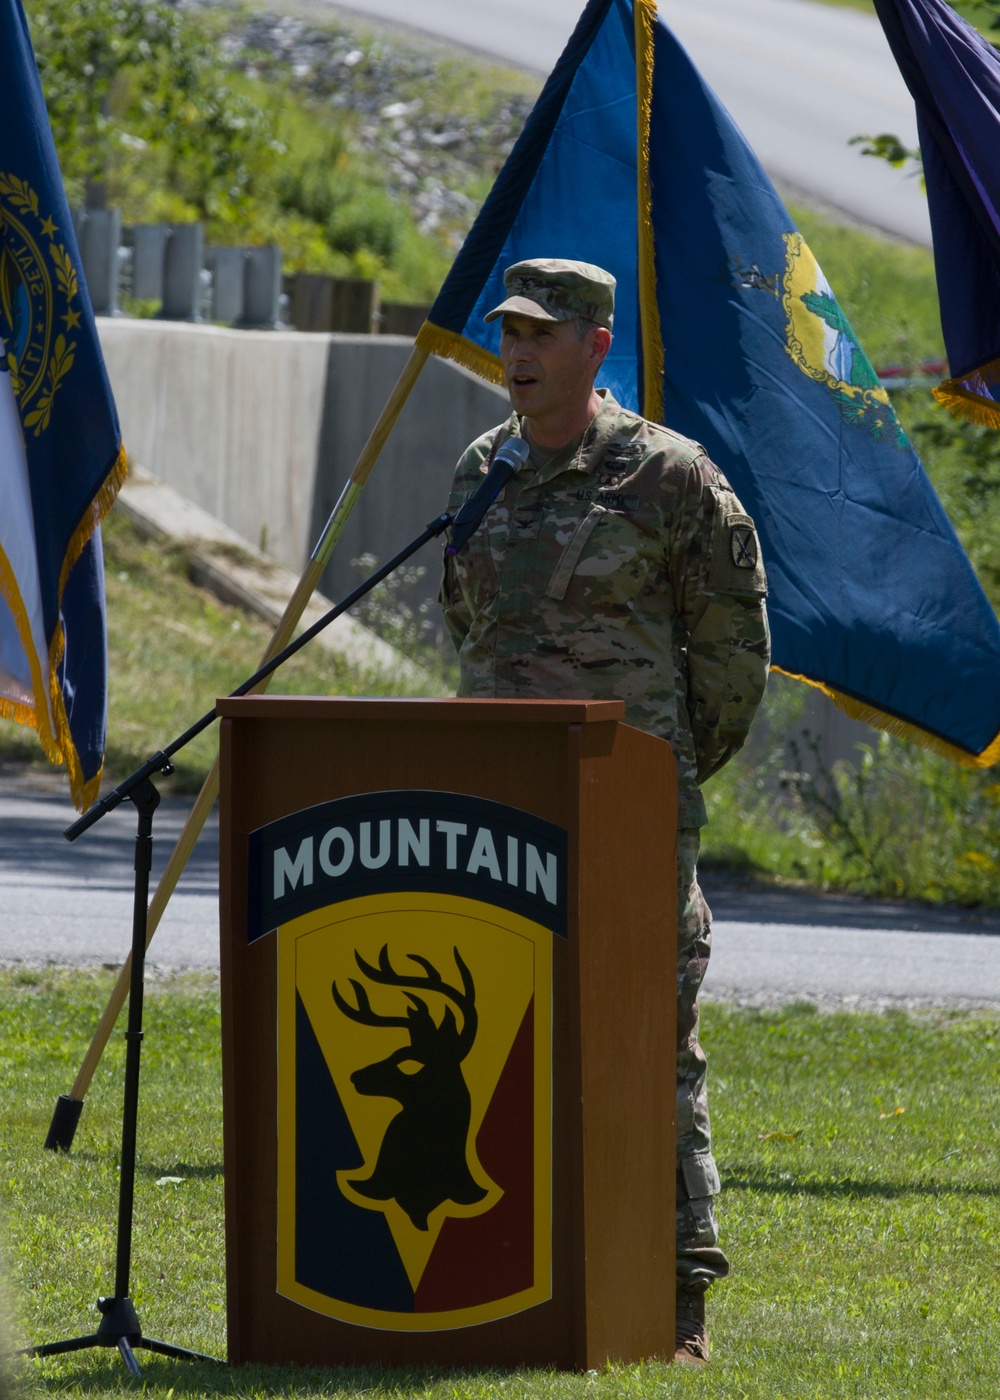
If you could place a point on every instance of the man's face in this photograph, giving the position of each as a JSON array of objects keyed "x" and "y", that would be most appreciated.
[{"x": 549, "y": 369}]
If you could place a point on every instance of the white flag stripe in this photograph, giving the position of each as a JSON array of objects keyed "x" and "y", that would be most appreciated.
[{"x": 23, "y": 647}]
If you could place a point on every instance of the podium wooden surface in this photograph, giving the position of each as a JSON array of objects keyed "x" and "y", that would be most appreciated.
[{"x": 611, "y": 789}]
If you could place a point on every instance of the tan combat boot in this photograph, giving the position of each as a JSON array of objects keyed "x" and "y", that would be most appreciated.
[{"x": 690, "y": 1333}]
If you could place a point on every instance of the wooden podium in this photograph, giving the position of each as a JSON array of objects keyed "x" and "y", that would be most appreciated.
[{"x": 449, "y": 1011}]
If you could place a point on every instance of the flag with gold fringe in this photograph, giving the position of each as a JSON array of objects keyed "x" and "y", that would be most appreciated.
[
  {"x": 61, "y": 458},
  {"x": 954, "y": 77},
  {"x": 727, "y": 330}
]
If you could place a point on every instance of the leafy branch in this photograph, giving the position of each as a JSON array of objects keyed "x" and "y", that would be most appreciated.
[
  {"x": 889, "y": 148},
  {"x": 65, "y": 271},
  {"x": 19, "y": 194},
  {"x": 60, "y": 364}
]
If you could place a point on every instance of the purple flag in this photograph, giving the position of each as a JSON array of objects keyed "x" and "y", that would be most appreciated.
[{"x": 954, "y": 76}]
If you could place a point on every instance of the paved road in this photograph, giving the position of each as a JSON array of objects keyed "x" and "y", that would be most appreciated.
[
  {"x": 72, "y": 905},
  {"x": 777, "y": 946},
  {"x": 799, "y": 78}
]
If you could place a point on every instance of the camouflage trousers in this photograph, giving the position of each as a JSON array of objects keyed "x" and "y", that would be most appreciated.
[{"x": 699, "y": 1259}]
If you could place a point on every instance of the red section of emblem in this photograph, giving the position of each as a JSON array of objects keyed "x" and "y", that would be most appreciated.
[{"x": 491, "y": 1256}]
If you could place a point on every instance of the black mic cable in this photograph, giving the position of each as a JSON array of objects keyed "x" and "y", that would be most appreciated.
[{"x": 507, "y": 463}]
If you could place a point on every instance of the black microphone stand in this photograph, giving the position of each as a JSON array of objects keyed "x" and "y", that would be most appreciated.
[{"x": 119, "y": 1325}]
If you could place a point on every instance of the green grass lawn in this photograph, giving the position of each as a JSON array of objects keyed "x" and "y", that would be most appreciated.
[{"x": 859, "y": 1154}]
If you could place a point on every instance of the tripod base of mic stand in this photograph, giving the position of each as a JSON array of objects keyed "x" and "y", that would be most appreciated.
[{"x": 119, "y": 1327}]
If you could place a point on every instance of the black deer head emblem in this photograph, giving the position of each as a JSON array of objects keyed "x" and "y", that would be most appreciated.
[{"x": 423, "y": 1159}]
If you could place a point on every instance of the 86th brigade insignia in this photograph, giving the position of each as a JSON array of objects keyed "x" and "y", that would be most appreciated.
[{"x": 414, "y": 1056}]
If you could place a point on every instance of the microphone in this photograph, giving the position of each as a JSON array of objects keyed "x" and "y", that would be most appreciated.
[{"x": 507, "y": 463}]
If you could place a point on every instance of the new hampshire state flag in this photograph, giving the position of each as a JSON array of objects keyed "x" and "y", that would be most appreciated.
[
  {"x": 727, "y": 330},
  {"x": 61, "y": 459}
]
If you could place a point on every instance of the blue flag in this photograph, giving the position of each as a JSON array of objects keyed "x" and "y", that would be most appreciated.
[
  {"x": 954, "y": 76},
  {"x": 61, "y": 458},
  {"x": 727, "y": 330}
]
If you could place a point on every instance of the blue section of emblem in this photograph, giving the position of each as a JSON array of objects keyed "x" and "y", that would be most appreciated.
[
  {"x": 19, "y": 312},
  {"x": 341, "y": 1250}
]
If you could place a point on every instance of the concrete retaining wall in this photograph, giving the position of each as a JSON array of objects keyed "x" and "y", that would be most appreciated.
[{"x": 262, "y": 429}]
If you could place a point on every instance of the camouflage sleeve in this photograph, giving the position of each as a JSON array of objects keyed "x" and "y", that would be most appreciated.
[
  {"x": 454, "y": 608},
  {"x": 720, "y": 586}
]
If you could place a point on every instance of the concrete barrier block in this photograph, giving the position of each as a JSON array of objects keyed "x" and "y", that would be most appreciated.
[
  {"x": 227, "y": 266},
  {"x": 148, "y": 243},
  {"x": 99, "y": 236},
  {"x": 230, "y": 418},
  {"x": 183, "y": 264},
  {"x": 261, "y": 288}
]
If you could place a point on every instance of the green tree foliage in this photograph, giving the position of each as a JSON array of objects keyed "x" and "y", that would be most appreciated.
[
  {"x": 984, "y": 14},
  {"x": 343, "y": 197},
  {"x": 152, "y": 112},
  {"x": 127, "y": 81}
]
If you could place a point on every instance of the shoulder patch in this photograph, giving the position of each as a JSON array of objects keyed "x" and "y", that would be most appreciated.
[{"x": 736, "y": 565}]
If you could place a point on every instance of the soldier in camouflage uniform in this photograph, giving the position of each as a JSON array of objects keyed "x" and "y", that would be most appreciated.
[{"x": 617, "y": 564}]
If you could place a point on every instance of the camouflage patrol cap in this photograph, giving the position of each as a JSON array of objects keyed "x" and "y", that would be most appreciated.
[{"x": 556, "y": 289}]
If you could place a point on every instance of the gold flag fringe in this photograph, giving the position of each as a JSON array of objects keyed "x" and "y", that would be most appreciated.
[
  {"x": 448, "y": 345},
  {"x": 645, "y": 15},
  {"x": 968, "y": 395},
  {"x": 96, "y": 512},
  {"x": 891, "y": 724}
]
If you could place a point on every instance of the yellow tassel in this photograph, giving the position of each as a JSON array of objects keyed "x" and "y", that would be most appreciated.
[
  {"x": 645, "y": 13},
  {"x": 450, "y": 346},
  {"x": 960, "y": 401},
  {"x": 857, "y": 709},
  {"x": 20, "y": 714},
  {"x": 969, "y": 397}
]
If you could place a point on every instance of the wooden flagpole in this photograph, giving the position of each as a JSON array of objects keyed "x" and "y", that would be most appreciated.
[{"x": 210, "y": 790}]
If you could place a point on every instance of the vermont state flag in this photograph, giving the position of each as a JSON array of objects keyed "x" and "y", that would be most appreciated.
[
  {"x": 954, "y": 77},
  {"x": 61, "y": 459},
  {"x": 727, "y": 330}
]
